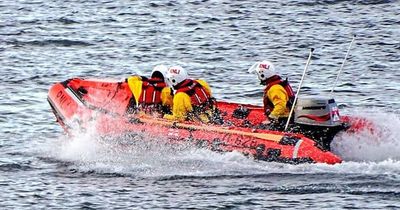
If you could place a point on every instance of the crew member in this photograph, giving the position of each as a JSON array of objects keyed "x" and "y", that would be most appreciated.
[
  {"x": 278, "y": 94},
  {"x": 192, "y": 98},
  {"x": 151, "y": 94}
]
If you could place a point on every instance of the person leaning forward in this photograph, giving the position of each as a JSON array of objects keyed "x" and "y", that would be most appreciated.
[
  {"x": 151, "y": 94},
  {"x": 192, "y": 98}
]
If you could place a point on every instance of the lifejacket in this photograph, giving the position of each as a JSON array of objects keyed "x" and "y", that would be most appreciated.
[
  {"x": 151, "y": 91},
  {"x": 199, "y": 97},
  {"x": 204, "y": 106},
  {"x": 268, "y": 105}
]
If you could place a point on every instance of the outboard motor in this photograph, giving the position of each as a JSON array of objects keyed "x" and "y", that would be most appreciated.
[
  {"x": 319, "y": 119},
  {"x": 317, "y": 111}
]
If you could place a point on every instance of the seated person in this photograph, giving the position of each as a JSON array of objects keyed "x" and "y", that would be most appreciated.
[
  {"x": 278, "y": 94},
  {"x": 192, "y": 98},
  {"x": 151, "y": 94}
]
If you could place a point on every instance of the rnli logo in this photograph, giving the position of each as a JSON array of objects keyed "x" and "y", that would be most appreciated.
[
  {"x": 64, "y": 100},
  {"x": 174, "y": 71},
  {"x": 264, "y": 66}
]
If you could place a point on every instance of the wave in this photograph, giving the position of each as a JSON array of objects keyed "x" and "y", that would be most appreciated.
[
  {"x": 333, "y": 2},
  {"x": 137, "y": 155},
  {"x": 374, "y": 2},
  {"x": 12, "y": 167},
  {"x": 66, "y": 21},
  {"x": 51, "y": 42}
]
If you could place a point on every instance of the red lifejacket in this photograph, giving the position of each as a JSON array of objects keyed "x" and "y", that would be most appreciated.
[
  {"x": 198, "y": 94},
  {"x": 151, "y": 91},
  {"x": 268, "y": 105}
]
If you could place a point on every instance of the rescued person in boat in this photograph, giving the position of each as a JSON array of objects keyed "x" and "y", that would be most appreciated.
[
  {"x": 278, "y": 95},
  {"x": 150, "y": 95},
  {"x": 192, "y": 98}
]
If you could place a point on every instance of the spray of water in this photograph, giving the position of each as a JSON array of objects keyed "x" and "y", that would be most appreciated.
[
  {"x": 143, "y": 156},
  {"x": 140, "y": 155},
  {"x": 377, "y": 144}
]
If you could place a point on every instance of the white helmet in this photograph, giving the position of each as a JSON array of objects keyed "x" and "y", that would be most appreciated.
[
  {"x": 159, "y": 71},
  {"x": 175, "y": 75},
  {"x": 263, "y": 69}
]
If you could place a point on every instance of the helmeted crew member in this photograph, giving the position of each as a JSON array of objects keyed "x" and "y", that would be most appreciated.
[
  {"x": 192, "y": 98},
  {"x": 151, "y": 94},
  {"x": 278, "y": 94}
]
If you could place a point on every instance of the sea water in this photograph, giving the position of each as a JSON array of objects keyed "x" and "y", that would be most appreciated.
[{"x": 43, "y": 42}]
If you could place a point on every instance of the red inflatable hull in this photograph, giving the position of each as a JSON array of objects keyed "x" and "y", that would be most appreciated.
[{"x": 80, "y": 103}]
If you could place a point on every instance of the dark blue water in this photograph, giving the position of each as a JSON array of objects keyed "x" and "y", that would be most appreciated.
[{"x": 43, "y": 42}]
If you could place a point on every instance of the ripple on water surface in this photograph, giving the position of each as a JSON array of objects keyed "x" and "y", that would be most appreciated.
[{"x": 44, "y": 42}]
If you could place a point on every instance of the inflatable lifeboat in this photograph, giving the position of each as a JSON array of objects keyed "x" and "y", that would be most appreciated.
[{"x": 105, "y": 104}]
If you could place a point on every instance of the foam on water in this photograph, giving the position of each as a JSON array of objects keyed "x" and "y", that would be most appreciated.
[
  {"x": 378, "y": 144},
  {"x": 365, "y": 152},
  {"x": 143, "y": 156}
]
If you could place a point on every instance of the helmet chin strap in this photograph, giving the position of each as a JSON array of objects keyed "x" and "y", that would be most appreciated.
[{"x": 265, "y": 81}]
